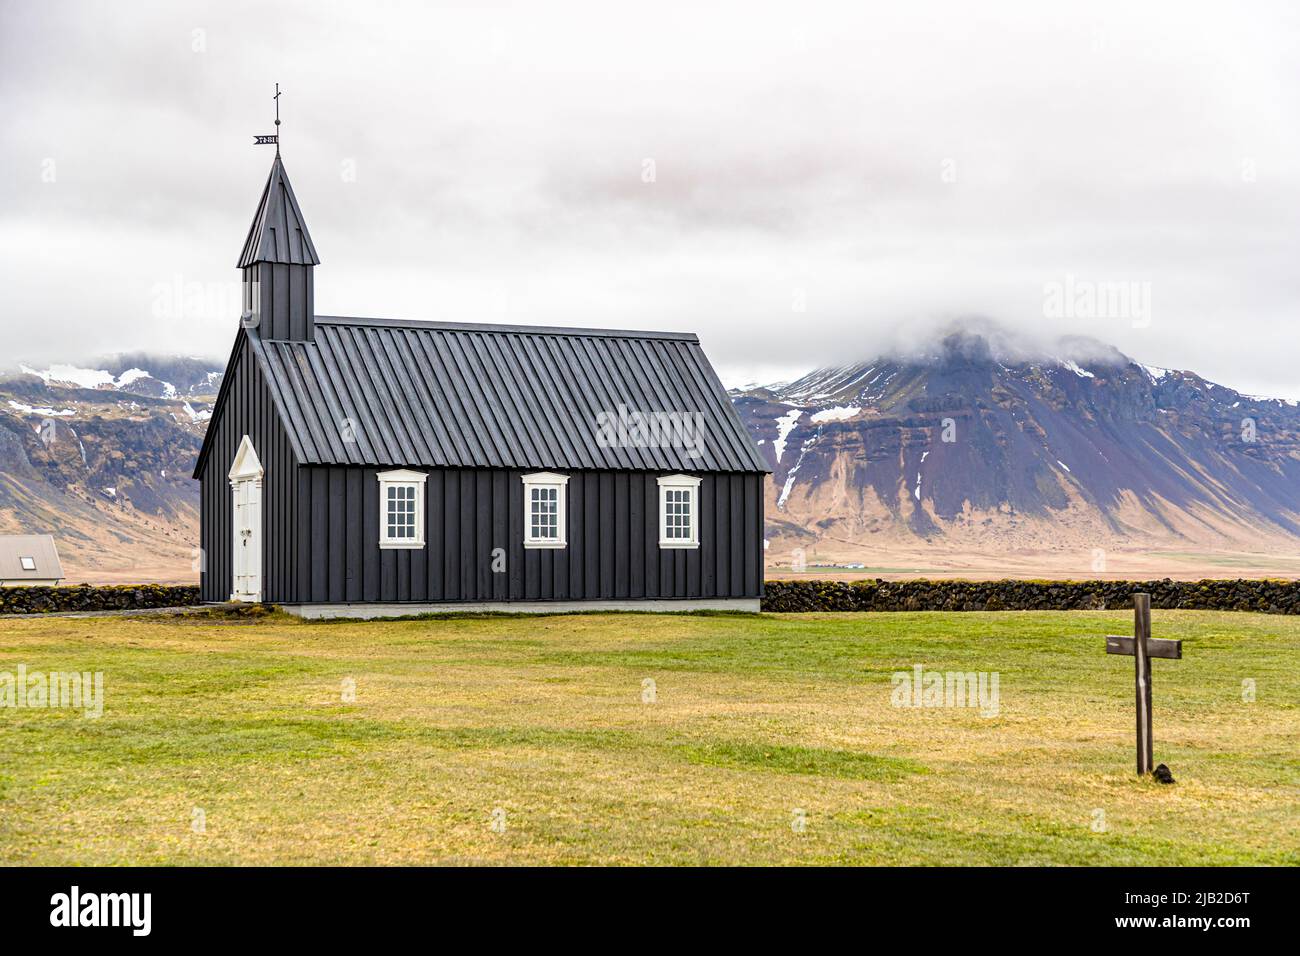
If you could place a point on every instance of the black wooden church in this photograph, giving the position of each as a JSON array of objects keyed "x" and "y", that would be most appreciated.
[{"x": 375, "y": 466}]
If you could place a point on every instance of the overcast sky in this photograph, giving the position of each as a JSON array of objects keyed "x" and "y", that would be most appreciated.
[{"x": 800, "y": 183}]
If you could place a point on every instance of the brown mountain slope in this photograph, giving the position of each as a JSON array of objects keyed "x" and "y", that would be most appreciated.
[
  {"x": 101, "y": 459},
  {"x": 964, "y": 461},
  {"x": 968, "y": 460}
]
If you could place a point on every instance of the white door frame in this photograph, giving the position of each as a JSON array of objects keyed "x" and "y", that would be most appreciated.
[{"x": 246, "y": 523}]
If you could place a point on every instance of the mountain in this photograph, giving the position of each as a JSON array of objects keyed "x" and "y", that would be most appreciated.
[
  {"x": 168, "y": 376},
  {"x": 1056, "y": 462},
  {"x": 101, "y": 457},
  {"x": 973, "y": 456}
]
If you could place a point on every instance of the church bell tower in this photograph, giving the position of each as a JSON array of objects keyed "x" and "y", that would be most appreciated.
[{"x": 277, "y": 263}]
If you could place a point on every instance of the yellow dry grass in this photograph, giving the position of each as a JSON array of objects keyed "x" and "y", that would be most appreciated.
[{"x": 548, "y": 728}]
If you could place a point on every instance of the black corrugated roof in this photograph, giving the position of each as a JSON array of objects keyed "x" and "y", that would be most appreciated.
[
  {"x": 429, "y": 394},
  {"x": 279, "y": 231}
]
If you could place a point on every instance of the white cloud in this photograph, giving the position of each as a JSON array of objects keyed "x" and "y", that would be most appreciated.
[{"x": 877, "y": 166}]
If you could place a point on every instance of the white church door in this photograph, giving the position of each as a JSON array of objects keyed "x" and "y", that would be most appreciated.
[{"x": 246, "y": 514}]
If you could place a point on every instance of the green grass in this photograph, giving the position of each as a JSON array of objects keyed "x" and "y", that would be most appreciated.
[{"x": 749, "y": 719}]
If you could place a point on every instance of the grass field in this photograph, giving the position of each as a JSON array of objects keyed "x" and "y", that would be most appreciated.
[{"x": 541, "y": 726}]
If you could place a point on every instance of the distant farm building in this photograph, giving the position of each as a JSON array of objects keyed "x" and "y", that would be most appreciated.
[{"x": 29, "y": 559}]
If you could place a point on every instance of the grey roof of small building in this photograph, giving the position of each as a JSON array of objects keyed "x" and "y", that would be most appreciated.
[
  {"x": 279, "y": 231},
  {"x": 428, "y": 394},
  {"x": 39, "y": 547}
]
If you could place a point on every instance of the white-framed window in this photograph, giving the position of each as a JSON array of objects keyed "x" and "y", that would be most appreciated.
[
  {"x": 679, "y": 511},
  {"x": 29, "y": 564},
  {"x": 545, "y": 510},
  {"x": 401, "y": 509}
]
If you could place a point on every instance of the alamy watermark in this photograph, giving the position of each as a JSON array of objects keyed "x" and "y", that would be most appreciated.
[
  {"x": 630, "y": 428},
  {"x": 799, "y": 820},
  {"x": 921, "y": 688},
  {"x": 191, "y": 300},
  {"x": 130, "y": 910},
  {"x": 56, "y": 690},
  {"x": 1074, "y": 298}
]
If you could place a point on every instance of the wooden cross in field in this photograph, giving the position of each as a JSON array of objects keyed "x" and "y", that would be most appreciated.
[{"x": 1142, "y": 647}]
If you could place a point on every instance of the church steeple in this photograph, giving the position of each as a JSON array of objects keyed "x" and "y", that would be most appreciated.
[{"x": 277, "y": 261}]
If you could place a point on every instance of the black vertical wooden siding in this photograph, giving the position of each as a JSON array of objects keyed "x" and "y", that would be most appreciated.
[
  {"x": 282, "y": 298},
  {"x": 247, "y": 410},
  {"x": 321, "y": 528},
  {"x": 613, "y": 548}
]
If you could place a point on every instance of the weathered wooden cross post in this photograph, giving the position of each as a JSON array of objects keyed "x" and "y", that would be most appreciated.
[{"x": 1142, "y": 647}]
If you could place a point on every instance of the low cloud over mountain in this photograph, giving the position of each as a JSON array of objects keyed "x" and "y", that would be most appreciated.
[{"x": 981, "y": 442}]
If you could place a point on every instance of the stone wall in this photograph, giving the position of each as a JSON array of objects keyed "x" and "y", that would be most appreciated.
[
  {"x": 1270, "y": 597},
  {"x": 43, "y": 600}
]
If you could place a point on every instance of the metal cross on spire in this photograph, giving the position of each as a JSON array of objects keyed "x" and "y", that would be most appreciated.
[{"x": 273, "y": 140}]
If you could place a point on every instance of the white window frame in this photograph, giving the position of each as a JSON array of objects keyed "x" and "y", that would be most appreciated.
[
  {"x": 679, "y": 483},
  {"x": 401, "y": 478},
  {"x": 547, "y": 479},
  {"x": 25, "y": 560}
]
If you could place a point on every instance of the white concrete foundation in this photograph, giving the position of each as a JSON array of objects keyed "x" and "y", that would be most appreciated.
[{"x": 364, "y": 612}]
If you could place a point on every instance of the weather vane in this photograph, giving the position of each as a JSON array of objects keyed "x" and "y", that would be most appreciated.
[{"x": 273, "y": 140}]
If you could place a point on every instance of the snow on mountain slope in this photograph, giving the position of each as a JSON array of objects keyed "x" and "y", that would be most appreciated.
[
  {"x": 100, "y": 455},
  {"x": 961, "y": 447},
  {"x": 140, "y": 374}
]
